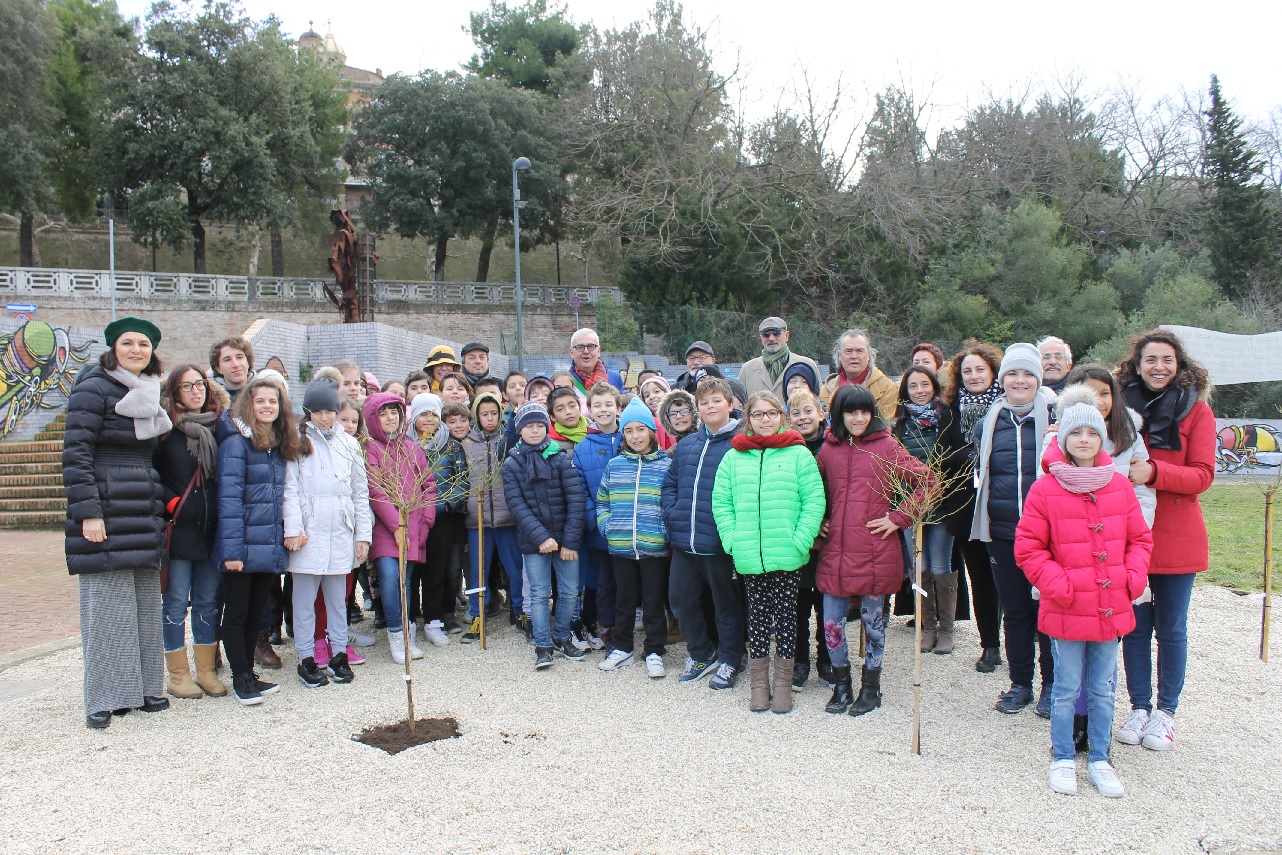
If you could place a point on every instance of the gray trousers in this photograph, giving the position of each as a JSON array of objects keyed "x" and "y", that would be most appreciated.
[
  {"x": 305, "y": 588},
  {"x": 120, "y": 636}
]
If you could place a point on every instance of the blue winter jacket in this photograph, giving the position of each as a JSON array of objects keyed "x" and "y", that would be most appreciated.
[
  {"x": 687, "y": 490},
  {"x": 251, "y": 506},
  {"x": 629, "y": 509},
  {"x": 545, "y": 496},
  {"x": 591, "y": 456}
]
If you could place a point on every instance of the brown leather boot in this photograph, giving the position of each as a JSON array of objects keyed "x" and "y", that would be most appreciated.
[
  {"x": 264, "y": 653},
  {"x": 929, "y": 613},
  {"x": 781, "y": 702},
  {"x": 759, "y": 681},
  {"x": 180, "y": 684},
  {"x": 206, "y": 676},
  {"x": 946, "y": 603}
]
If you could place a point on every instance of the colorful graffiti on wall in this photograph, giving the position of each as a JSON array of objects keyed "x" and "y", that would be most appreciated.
[
  {"x": 36, "y": 360},
  {"x": 1248, "y": 446}
]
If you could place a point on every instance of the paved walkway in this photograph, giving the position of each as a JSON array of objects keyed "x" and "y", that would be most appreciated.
[{"x": 39, "y": 601}]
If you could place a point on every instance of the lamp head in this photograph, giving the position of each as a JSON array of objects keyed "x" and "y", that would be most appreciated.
[{"x": 521, "y": 163}]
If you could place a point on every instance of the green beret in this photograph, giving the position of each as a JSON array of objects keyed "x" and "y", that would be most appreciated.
[{"x": 120, "y": 326}]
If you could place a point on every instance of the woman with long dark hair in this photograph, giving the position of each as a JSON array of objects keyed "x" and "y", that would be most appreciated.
[{"x": 115, "y": 533}]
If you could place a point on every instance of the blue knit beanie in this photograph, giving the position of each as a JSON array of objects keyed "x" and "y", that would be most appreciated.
[
  {"x": 532, "y": 413},
  {"x": 636, "y": 411}
]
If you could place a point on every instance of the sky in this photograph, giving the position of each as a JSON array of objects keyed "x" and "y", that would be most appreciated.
[{"x": 950, "y": 54}]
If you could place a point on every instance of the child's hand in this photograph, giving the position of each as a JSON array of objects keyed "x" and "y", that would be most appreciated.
[
  {"x": 400, "y": 538},
  {"x": 884, "y": 527},
  {"x": 823, "y": 530},
  {"x": 293, "y": 544},
  {"x": 362, "y": 551},
  {"x": 548, "y": 546},
  {"x": 569, "y": 555},
  {"x": 234, "y": 566},
  {"x": 1146, "y": 597}
]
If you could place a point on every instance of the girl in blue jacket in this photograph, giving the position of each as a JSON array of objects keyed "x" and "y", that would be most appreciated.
[
  {"x": 629, "y": 513},
  {"x": 250, "y": 545}
]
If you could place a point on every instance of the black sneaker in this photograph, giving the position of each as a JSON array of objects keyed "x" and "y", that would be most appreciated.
[
  {"x": 695, "y": 670},
  {"x": 264, "y": 687},
  {"x": 354, "y": 615},
  {"x": 310, "y": 674},
  {"x": 473, "y": 633},
  {"x": 451, "y": 624},
  {"x": 1014, "y": 699},
  {"x": 542, "y": 658},
  {"x": 567, "y": 649},
  {"x": 1043, "y": 708},
  {"x": 827, "y": 677},
  {"x": 247, "y": 693},
  {"x": 724, "y": 676},
  {"x": 800, "y": 674},
  {"x": 339, "y": 669}
]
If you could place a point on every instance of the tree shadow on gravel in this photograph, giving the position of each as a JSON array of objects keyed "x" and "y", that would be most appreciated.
[{"x": 396, "y": 737}]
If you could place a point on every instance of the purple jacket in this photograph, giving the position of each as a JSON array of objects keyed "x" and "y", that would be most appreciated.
[{"x": 401, "y": 462}]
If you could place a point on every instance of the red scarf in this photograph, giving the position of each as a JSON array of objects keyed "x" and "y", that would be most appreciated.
[
  {"x": 842, "y": 380},
  {"x": 598, "y": 375},
  {"x": 756, "y": 442}
]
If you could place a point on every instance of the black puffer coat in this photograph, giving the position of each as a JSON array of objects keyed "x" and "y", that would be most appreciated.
[
  {"x": 195, "y": 526},
  {"x": 108, "y": 474},
  {"x": 546, "y": 496}
]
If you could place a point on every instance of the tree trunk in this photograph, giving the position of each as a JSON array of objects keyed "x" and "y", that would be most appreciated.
[
  {"x": 27, "y": 240},
  {"x": 278, "y": 254},
  {"x": 198, "y": 247},
  {"x": 438, "y": 272},
  {"x": 487, "y": 247}
]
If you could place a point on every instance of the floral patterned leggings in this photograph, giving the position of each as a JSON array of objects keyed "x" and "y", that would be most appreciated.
[
  {"x": 872, "y": 611},
  {"x": 772, "y": 609}
]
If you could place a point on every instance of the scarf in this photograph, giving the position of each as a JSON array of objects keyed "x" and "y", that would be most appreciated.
[
  {"x": 584, "y": 383},
  {"x": 436, "y": 442},
  {"x": 925, "y": 415},
  {"x": 142, "y": 403},
  {"x": 1162, "y": 412},
  {"x": 973, "y": 407},
  {"x": 776, "y": 363},
  {"x": 844, "y": 379},
  {"x": 1040, "y": 408},
  {"x": 570, "y": 434},
  {"x": 1082, "y": 479},
  {"x": 756, "y": 442},
  {"x": 201, "y": 444}
]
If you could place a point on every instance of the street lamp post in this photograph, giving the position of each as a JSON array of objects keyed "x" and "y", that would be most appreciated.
[{"x": 518, "y": 165}]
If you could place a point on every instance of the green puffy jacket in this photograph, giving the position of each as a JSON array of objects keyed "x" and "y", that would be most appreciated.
[{"x": 768, "y": 504}]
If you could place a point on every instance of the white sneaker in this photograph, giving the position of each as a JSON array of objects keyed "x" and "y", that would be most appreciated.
[
  {"x": 1063, "y": 777},
  {"x": 1159, "y": 733},
  {"x": 654, "y": 667},
  {"x": 1101, "y": 774},
  {"x": 415, "y": 652},
  {"x": 435, "y": 633},
  {"x": 359, "y": 639},
  {"x": 616, "y": 660},
  {"x": 396, "y": 642},
  {"x": 1133, "y": 728}
]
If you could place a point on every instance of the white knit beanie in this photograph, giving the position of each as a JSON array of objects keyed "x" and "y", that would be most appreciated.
[{"x": 1021, "y": 355}]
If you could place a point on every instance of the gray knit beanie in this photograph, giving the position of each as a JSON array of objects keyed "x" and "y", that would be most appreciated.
[
  {"x": 531, "y": 413},
  {"x": 1076, "y": 407},
  {"x": 321, "y": 395},
  {"x": 1021, "y": 355}
]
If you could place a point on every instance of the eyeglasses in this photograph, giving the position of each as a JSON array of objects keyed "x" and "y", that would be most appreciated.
[
  {"x": 684, "y": 411},
  {"x": 1058, "y": 357},
  {"x": 584, "y": 348},
  {"x": 763, "y": 415},
  {"x": 772, "y": 333},
  {"x": 195, "y": 384}
]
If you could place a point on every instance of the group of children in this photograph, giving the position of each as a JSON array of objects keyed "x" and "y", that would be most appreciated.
[{"x": 739, "y": 516}]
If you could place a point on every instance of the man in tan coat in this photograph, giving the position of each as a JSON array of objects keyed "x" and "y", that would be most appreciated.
[
  {"x": 765, "y": 372},
  {"x": 856, "y": 359}
]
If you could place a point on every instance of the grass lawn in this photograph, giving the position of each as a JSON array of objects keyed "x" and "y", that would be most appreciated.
[{"x": 1235, "y": 519}]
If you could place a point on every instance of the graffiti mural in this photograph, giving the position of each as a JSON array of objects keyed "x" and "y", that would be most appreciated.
[
  {"x": 1248, "y": 446},
  {"x": 36, "y": 361}
]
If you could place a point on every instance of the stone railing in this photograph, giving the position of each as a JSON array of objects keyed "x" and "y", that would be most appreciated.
[{"x": 31, "y": 283}]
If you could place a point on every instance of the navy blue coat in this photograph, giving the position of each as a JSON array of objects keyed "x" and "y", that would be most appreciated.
[
  {"x": 251, "y": 507},
  {"x": 591, "y": 456},
  {"x": 687, "y": 491},
  {"x": 1012, "y": 469},
  {"x": 545, "y": 496}
]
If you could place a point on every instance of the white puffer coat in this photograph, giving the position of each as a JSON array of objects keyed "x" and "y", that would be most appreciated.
[{"x": 327, "y": 499}]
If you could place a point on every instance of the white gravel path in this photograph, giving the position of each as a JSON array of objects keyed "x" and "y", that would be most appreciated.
[{"x": 576, "y": 760}]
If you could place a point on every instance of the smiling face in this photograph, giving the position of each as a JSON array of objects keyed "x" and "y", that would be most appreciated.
[
  {"x": 681, "y": 417},
  {"x": 233, "y": 365},
  {"x": 477, "y": 362},
  {"x": 697, "y": 358},
  {"x": 714, "y": 410},
  {"x": 1103, "y": 396},
  {"x": 389, "y": 419},
  {"x": 920, "y": 389},
  {"x": 452, "y": 391},
  {"x": 652, "y": 396},
  {"x": 1083, "y": 445},
  {"x": 855, "y": 354},
  {"x": 977, "y": 374},
  {"x": 856, "y": 421},
  {"x": 585, "y": 350},
  {"x": 459, "y": 426},
  {"x": 806, "y": 419},
  {"x": 765, "y": 418},
  {"x": 604, "y": 410},
  {"x": 637, "y": 437},
  {"x": 427, "y": 423},
  {"x": 1020, "y": 386},
  {"x": 133, "y": 352},
  {"x": 192, "y": 391},
  {"x": 266, "y": 404},
  {"x": 350, "y": 420},
  {"x": 1055, "y": 361},
  {"x": 1158, "y": 365}
]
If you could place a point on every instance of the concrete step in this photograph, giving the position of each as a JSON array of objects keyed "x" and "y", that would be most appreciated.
[
  {"x": 32, "y": 504},
  {"x": 32, "y": 447},
  {"x": 33, "y": 519},
  {"x": 42, "y": 491},
  {"x": 49, "y": 468},
  {"x": 39, "y": 480}
]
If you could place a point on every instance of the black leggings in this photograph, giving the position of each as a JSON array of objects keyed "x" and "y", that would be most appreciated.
[
  {"x": 244, "y": 594},
  {"x": 811, "y": 601},
  {"x": 772, "y": 609},
  {"x": 983, "y": 592}
]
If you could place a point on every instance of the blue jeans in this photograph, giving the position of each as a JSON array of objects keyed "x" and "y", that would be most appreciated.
[
  {"x": 194, "y": 582},
  {"x": 388, "y": 588},
  {"x": 1168, "y": 616},
  {"x": 538, "y": 567},
  {"x": 872, "y": 611},
  {"x": 1075, "y": 660},
  {"x": 936, "y": 549},
  {"x": 503, "y": 541}
]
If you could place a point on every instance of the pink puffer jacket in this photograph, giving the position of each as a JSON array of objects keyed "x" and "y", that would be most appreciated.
[
  {"x": 402, "y": 463},
  {"x": 1088, "y": 555}
]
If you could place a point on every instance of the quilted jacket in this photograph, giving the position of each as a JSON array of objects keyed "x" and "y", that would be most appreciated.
[
  {"x": 251, "y": 505},
  {"x": 594, "y": 454},
  {"x": 397, "y": 461},
  {"x": 687, "y": 490},
  {"x": 545, "y": 494}
]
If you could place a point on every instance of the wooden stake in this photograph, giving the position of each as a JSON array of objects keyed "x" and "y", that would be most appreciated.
[
  {"x": 406, "y": 627},
  {"x": 917, "y": 589},
  {"x": 1268, "y": 573},
  {"x": 480, "y": 559}
]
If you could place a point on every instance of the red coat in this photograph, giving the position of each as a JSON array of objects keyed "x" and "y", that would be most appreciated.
[
  {"x": 859, "y": 476},
  {"x": 1088, "y": 555},
  {"x": 1180, "y": 541}
]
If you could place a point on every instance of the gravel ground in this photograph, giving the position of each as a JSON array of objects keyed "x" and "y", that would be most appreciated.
[{"x": 576, "y": 760}]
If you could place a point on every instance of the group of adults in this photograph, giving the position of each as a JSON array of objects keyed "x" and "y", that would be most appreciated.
[{"x": 118, "y": 503}]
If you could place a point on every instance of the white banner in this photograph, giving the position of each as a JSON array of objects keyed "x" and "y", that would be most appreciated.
[{"x": 1233, "y": 358}]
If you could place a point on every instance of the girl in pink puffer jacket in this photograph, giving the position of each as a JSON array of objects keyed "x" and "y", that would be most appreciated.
[{"x": 1084, "y": 544}]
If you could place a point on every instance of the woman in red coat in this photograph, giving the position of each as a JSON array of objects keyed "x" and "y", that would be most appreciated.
[
  {"x": 1084, "y": 545},
  {"x": 1170, "y": 391}
]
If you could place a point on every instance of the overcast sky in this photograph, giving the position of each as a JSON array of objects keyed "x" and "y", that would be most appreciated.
[{"x": 952, "y": 51}]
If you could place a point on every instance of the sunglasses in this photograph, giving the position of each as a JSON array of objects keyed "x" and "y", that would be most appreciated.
[{"x": 772, "y": 333}]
